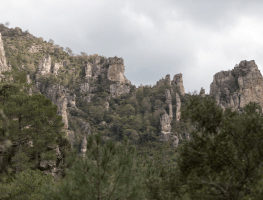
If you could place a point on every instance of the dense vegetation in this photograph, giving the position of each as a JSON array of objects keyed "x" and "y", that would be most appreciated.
[{"x": 124, "y": 158}]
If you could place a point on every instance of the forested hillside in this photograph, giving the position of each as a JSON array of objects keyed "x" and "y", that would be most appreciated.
[{"x": 74, "y": 127}]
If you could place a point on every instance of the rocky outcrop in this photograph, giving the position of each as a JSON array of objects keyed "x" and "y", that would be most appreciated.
[
  {"x": 56, "y": 68},
  {"x": 116, "y": 70},
  {"x": 236, "y": 88},
  {"x": 166, "y": 135},
  {"x": 83, "y": 146},
  {"x": 165, "y": 123},
  {"x": 52, "y": 166},
  {"x": 166, "y": 80},
  {"x": 44, "y": 66},
  {"x": 178, "y": 81},
  {"x": 84, "y": 87},
  {"x": 169, "y": 102},
  {"x": 59, "y": 96},
  {"x": 3, "y": 65},
  {"x": 178, "y": 107},
  {"x": 111, "y": 68},
  {"x": 202, "y": 92},
  {"x": 118, "y": 89}
]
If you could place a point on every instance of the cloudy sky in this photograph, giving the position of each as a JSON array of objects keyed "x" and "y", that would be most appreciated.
[{"x": 197, "y": 38}]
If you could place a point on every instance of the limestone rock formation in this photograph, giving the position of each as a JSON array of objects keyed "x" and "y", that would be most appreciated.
[
  {"x": 44, "y": 66},
  {"x": 56, "y": 68},
  {"x": 202, "y": 92},
  {"x": 175, "y": 141},
  {"x": 178, "y": 107},
  {"x": 165, "y": 123},
  {"x": 169, "y": 102},
  {"x": 59, "y": 96},
  {"x": 178, "y": 81},
  {"x": 166, "y": 80},
  {"x": 83, "y": 146},
  {"x": 84, "y": 87},
  {"x": 238, "y": 87},
  {"x": 111, "y": 68},
  {"x": 3, "y": 65},
  {"x": 118, "y": 89}
]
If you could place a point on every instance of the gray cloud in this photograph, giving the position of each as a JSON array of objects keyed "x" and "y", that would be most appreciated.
[{"x": 155, "y": 38}]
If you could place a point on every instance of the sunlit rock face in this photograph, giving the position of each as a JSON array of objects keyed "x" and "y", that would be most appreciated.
[
  {"x": 236, "y": 88},
  {"x": 59, "y": 96},
  {"x": 178, "y": 107},
  {"x": 169, "y": 102},
  {"x": 3, "y": 65},
  {"x": 178, "y": 81},
  {"x": 44, "y": 66},
  {"x": 165, "y": 123}
]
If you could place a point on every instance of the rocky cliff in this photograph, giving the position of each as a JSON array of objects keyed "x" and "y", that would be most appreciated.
[
  {"x": 3, "y": 64},
  {"x": 238, "y": 87}
]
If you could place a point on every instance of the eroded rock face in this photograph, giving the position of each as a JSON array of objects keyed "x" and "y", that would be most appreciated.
[
  {"x": 44, "y": 66},
  {"x": 3, "y": 65},
  {"x": 84, "y": 87},
  {"x": 169, "y": 102},
  {"x": 178, "y": 81},
  {"x": 118, "y": 89},
  {"x": 178, "y": 107},
  {"x": 167, "y": 80},
  {"x": 56, "y": 68},
  {"x": 116, "y": 70},
  {"x": 112, "y": 68},
  {"x": 238, "y": 87},
  {"x": 59, "y": 96},
  {"x": 202, "y": 92},
  {"x": 83, "y": 146},
  {"x": 165, "y": 123}
]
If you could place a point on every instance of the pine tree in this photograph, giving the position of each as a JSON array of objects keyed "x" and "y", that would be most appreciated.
[
  {"x": 109, "y": 171},
  {"x": 224, "y": 158}
]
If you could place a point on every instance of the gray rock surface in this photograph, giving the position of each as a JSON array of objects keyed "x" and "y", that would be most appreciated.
[
  {"x": 56, "y": 67},
  {"x": 83, "y": 146},
  {"x": 202, "y": 92},
  {"x": 3, "y": 65},
  {"x": 44, "y": 67},
  {"x": 236, "y": 88},
  {"x": 178, "y": 81},
  {"x": 118, "y": 89},
  {"x": 178, "y": 107},
  {"x": 169, "y": 102}
]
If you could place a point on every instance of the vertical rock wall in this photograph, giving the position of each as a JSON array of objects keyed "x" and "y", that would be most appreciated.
[
  {"x": 178, "y": 107},
  {"x": 3, "y": 65},
  {"x": 169, "y": 102},
  {"x": 178, "y": 81},
  {"x": 44, "y": 66}
]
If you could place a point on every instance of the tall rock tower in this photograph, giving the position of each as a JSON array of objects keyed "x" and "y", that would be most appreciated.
[{"x": 3, "y": 65}]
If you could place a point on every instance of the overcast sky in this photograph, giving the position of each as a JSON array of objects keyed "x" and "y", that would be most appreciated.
[{"x": 197, "y": 38}]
